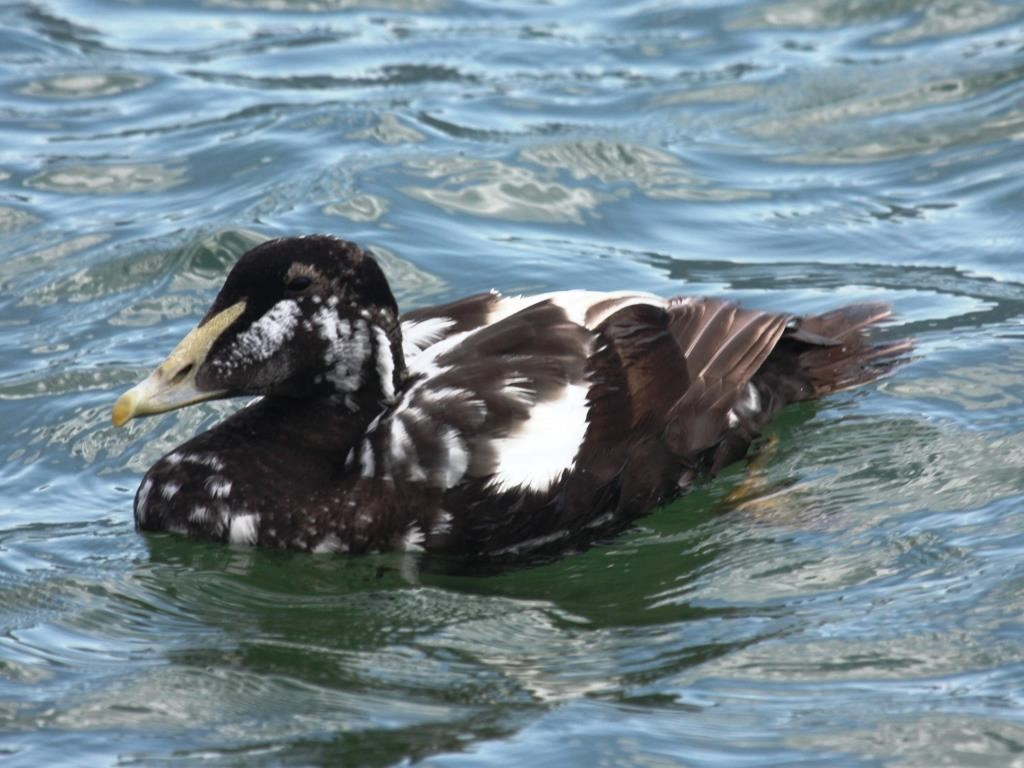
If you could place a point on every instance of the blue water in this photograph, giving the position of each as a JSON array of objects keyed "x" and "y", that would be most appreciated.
[{"x": 853, "y": 596}]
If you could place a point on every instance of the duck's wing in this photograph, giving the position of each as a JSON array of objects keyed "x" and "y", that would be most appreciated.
[
  {"x": 709, "y": 376},
  {"x": 695, "y": 384},
  {"x": 500, "y": 396},
  {"x": 472, "y": 392},
  {"x": 667, "y": 385}
]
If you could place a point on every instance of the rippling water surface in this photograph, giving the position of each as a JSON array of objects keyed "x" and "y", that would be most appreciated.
[{"x": 853, "y": 597}]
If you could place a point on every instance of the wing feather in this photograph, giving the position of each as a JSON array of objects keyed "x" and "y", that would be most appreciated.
[{"x": 487, "y": 389}]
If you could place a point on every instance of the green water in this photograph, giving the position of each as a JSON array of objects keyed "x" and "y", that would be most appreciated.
[{"x": 853, "y": 598}]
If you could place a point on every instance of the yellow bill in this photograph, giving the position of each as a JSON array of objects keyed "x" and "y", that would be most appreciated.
[{"x": 173, "y": 383}]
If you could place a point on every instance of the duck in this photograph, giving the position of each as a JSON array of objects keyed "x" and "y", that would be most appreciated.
[{"x": 492, "y": 428}]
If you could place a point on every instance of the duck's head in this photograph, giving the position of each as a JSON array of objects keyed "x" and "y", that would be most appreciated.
[{"x": 296, "y": 317}]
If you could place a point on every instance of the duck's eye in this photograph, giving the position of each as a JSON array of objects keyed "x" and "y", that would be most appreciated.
[{"x": 300, "y": 283}]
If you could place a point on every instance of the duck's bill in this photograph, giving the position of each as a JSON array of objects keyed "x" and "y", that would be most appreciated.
[
  {"x": 155, "y": 395},
  {"x": 172, "y": 384}
]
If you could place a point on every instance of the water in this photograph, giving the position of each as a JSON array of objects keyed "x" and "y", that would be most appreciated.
[{"x": 854, "y": 597}]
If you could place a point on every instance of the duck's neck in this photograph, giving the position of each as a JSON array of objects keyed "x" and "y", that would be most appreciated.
[
  {"x": 313, "y": 434},
  {"x": 328, "y": 427},
  {"x": 365, "y": 366}
]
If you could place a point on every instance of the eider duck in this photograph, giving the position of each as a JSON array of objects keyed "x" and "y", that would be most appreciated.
[{"x": 491, "y": 428}]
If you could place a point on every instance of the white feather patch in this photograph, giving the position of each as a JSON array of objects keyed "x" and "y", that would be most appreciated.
[
  {"x": 577, "y": 305},
  {"x": 443, "y": 524},
  {"x": 519, "y": 389},
  {"x": 751, "y": 402},
  {"x": 414, "y": 539},
  {"x": 366, "y": 460},
  {"x": 199, "y": 514},
  {"x": 218, "y": 487},
  {"x": 204, "y": 459},
  {"x": 385, "y": 363},
  {"x": 748, "y": 405},
  {"x": 348, "y": 346},
  {"x": 244, "y": 529},
  {"x": 264, "y": 337},
  {"x": 330, "y": 544},
  {"x": 425, "y": 361},
  {"x": 418, "y": 335},
  {"x": 456, "y": 460},
  {"x": 545, "y": 445},
  {"x": 400, "y": 442},
  {"x": 143, "y": 499}
]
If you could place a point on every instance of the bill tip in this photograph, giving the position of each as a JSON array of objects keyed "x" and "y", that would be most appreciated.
[{"x": 124, "y": 409}]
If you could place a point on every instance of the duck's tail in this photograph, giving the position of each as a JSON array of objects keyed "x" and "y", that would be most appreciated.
[
  {"x": 833, "y": 352},
  {"x": 820, "y": 354}
]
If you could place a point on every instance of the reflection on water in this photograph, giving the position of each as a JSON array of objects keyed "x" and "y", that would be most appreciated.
[
  {"x": 108, "y": 179},
  {"x": 12, "y": 219},
  {"x": 84, "y": 85},
  {"x": 359, "y": 208},
  {"x": 389, "y": 130},
  {"x": 495, "y": 189},
  {"x": 849, "y": 596},
  {"x": 656, "y": 173}
]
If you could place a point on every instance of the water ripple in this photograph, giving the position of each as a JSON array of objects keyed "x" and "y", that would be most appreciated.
[{"x": 849, "y": 596}]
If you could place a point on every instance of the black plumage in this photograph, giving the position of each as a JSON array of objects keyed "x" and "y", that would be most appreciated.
[{"x": 490, "y": 428}]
